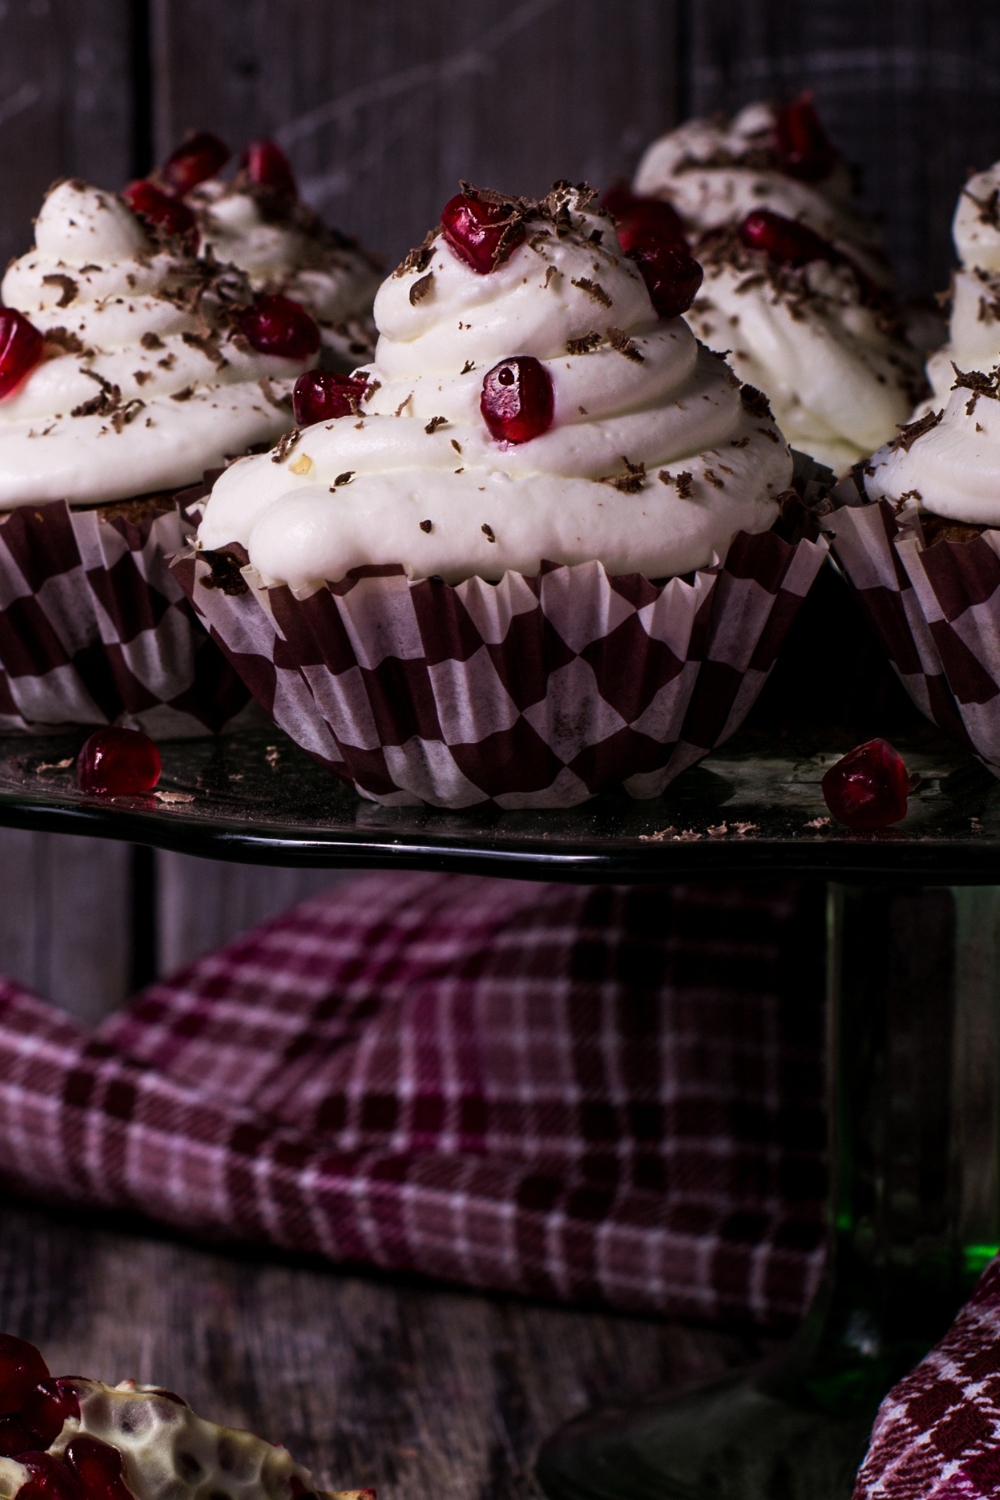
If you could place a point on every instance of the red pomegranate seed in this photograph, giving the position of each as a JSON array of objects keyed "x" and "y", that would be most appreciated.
[
  {"x": 481, "y": 234},
  {"x": 517, "y": 401},
  {"x": 21, "y": 1368},
  {"x": 97, "y": 1468},
  {"x": 48, "y": 1406},
  {"x": 15, "y": 1437},
  {"x": 197, "y": 158},
  {"x": 21, "y": 349},
  {"x": 118, "y": 763},
  {"x": 266, "y": 163},
  {"x": 803, "y": 146},
  {"x": 277, "y": 325},
  {"x": 671, "y": 274},
  {"x": 785, "y": 240},
  {"x": 321, "y": 395},
  {"x": 48, "y": 1479},
  {"x": 643, "y": 219},
  {"x": 869, "y": 787},
  {"x": 158, "y": 211}
]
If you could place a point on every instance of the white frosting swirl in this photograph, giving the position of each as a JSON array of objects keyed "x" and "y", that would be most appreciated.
[
  {"x": 974, "y": 324},
  {"x": 140, "y": 389},
  {"x": 429, "y": 488},
  {"x": 285, "y": 248}
]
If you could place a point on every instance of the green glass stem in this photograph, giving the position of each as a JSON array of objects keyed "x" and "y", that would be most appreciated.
[{"x": 914, "y": 1105}]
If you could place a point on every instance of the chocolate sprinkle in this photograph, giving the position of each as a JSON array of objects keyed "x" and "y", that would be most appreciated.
[
  {"x": 978, "y": 383},
  {"x": 756, "y": 403},
  {"x": 226, "y": 574},
  {"x": 684, "y": 482},
  {"x": 69, "y": 287},
  {"x": 585, "y": 345},
  {"x": 284, "y": 445},
  {"x": 619, "y": 340},
  {"x": 593, "y": 290},
  {"x": 151, "y": 341},
  {"x": 426, "y": 526},
  {"x": 344, "y": 478},
  {"x": 419, "y": 258},
  {"x": 421, "y": 289},
  {"x": 910, "y": 431},
  {"x": 487, "y": 531},
  {"x": 434, "y": 423}
]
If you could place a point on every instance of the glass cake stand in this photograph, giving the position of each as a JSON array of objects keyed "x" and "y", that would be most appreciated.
[{"x": 914, "y": 1014}]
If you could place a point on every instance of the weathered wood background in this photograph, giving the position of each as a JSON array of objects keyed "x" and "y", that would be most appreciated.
[{"x": 382, "y": 107}]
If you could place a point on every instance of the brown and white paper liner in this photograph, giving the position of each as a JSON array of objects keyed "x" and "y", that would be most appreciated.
[
  {"x": 937, "y": 611},
  {"x": 533, "y": 692},
  {"x": 95, "y": 629}
]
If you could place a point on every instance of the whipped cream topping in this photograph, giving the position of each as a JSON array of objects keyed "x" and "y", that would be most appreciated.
[
  {"x": 145, "y": 384},
  {"x": 284, "y": 247},
  {"x": 838, "y": 376},
  {"x": 716, "y": 171},
  {"x": 974, "y": 324},
  {"x": 655, "y": 458}
]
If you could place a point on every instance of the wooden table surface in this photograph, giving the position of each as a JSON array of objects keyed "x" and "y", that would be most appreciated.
[{"x": 420, "y": 1390}]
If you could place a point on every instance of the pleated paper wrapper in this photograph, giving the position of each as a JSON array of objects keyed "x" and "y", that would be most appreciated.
[
  {"x": 95, "y": 629},
  {"x": 532, "y": 692},
  {"x": 937, "y": 611}
]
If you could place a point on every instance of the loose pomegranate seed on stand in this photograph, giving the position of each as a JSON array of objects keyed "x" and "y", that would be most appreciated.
[
  {"x": 97, "y": 1469},
  {"x": 869, "y": 787},
  {"x": 118, "y": 763},
  {"x": 266, "y": 164},
  {"x": 482, "y": 234},
  {"x": 201, "y": 156},
  {"x": 21, "y": 349},
  {"x": 277, "y": 325},
  {"x": 517, "y": 402},
  {"x": 322, "y": 395},
  {"x": 162, "y": 213},
  {"x": 803, "y": 147}
]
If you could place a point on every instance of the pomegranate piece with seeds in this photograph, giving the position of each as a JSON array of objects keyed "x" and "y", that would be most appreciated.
[
  {"x": 195, "y": 160},
  {"x": 118, "y": 763},
  {"x": 671, "y": 274},
  {"x": 277, "y": 325},
  {"x": 48, "y": 1406},
  {"x": 21, "y": 1368},
  {"x": 517, "y": 401},
  {"x": 97, "y": 1469},
  {"x": 48, "y": 1479},
  {"x": 641, "y": 220},
  {"x": 482, "y": 234},
  {"x": 21, "y": 349},
  {"x": 161, "y": 213},
  {"x": 265, "y": 163},
  {"x": 868, "y": 788},
  {"x": 784, "y": 240},
  {"x": 803, "y": 147},
  {"x": 321, "y": 395}
]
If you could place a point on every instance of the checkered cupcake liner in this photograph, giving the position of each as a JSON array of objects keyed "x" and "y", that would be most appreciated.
[
  {"x": 95, "y": 629},
  {"x": 530, "y": 693},
  {"x": 936, "y": 609}
]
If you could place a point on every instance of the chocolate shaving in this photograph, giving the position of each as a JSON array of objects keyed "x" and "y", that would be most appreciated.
[
  {"x": 371, "y": 388},
  {"x": 151, "y": 341},
  {"x": 280, "y": 403},
  {"x": 976, "y": 382},
  {"x": 550, "y": 271},
  {"x": 630, "y": 483},
  {"x": 107, "y": 401},
  {"x": 910, "y": 431},
  {"x": 127, "y": 413},
  {"x": 69, "y": 287},
  {"x": 344, "y": 478},
  {"x": 208, "y": 344},
  {"x": 63, "y": 339},
  {"x": 467, "y": 368},
  {"x": 456, "y": 445},
  {"x": 487, "y": 531},
  {"x": 619, "y": 340},
  {"x": 404, "y": 403},
  {"x": 434, "y": 423},
  {"x": 592, "y": 288},
  {"x": 226, "y": 574},
  {"x": 184, "y": 394},
  {"x": 421, "y": 289},
  {"x": 714, "y": 479},
  {"x": 426, "y": 526},
  {"x": 420, "y": 257},
  {"x": 755, "y": 403},
  {"x": 989, "y": 208},
  {"x": 585, "y": 345},
  {"x": 284, "y": 445},
  {"x": 684, "y": 482}
]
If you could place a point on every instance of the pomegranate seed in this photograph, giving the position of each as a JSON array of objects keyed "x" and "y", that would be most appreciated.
[
  {"x": 869, "y": 787},
  {"x": 277, "y": 325},
  {"x": 197, "y": 158},
  {"x": 803, "y": 146},
  {"x": 48, "y": 1406},
  {"x": 21, "y": 349},
  {"x": 785, "y": 240},
  {"x": 321, "y": 395},
  {"x": 15, "y": 1437},
  {"x": 118, "y": 762},
  {"x": 266, "y": 164},
  {"x": 643, "y": 219},
  {"x": 48, "y": 1479},
  {"x": 158, "y": 211},
  {"x": 671, "y": 274},
  {"x": 21, "y": 1367},
  {"x": 481, "y": 234},
  {"x": 97, "y": 1468},
  {"x": 517, "y": 401}
]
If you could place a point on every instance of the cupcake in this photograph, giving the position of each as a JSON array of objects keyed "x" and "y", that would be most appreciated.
[
  {"x": 796, "y": 290},
  {"x": 127, "y": 368},
  {"x": 918, "y": 528},
  {"x": 526, "y": 553},
  {"x": 259, "y": 223}
]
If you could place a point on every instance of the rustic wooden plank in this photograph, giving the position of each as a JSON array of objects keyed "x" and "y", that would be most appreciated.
[
  {"x": 201, "y": 903},
  {"x": 383, "y": 108},
  {"x": 420, "y": 1391},
  {"x": 909, "y": 92}
]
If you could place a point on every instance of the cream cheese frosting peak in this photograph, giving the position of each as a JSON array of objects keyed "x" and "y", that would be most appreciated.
[
  {"x": 147, "y": 379},
  {"x": 974, "y": 323},
  {"x": 653, "y": 460}
]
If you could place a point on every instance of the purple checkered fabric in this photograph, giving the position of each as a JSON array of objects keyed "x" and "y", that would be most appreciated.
[
  {"x": 937, "y": 611},
  {"x": 94, "y": 628},
  {"x": 937, "y": 1434},
  {"x": 535, "y": 692},
  {"x": 605, "y": 1094}
]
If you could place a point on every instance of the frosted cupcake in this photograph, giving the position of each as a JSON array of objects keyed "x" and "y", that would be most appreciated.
[
  {"x": 127, "y": 368},
  {"x": 258, "y": 222},
  {"x": 796, "y": 288},
  {"x": 529, "y": 420}
]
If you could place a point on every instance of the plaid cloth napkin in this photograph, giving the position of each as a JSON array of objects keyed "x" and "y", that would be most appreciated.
[{"x": 609, "y": 1095}]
